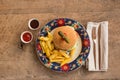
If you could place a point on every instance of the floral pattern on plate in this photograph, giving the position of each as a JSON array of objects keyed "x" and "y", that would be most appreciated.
[{"x": 85, "y": 45}]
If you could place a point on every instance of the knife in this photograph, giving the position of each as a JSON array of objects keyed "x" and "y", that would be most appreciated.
[{"x": 99, "y": 46}]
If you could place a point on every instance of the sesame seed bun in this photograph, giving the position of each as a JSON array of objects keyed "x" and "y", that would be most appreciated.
[{"x": 69, "y": 32}]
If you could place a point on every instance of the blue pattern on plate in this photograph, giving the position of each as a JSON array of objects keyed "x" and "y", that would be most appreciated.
[{"x": 85, "y": 49}]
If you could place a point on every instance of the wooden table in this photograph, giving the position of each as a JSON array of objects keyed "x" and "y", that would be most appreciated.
[{"x": 17, "y": 64}]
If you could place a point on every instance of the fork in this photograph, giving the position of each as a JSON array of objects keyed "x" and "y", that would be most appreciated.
[{"x": 94, "y": 42}]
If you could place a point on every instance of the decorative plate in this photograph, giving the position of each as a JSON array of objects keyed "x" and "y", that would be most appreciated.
[{"x": 85, "y": 45}]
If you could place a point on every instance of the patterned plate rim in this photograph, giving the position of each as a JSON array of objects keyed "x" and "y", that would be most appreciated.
[{"x": 80, "y": 59}]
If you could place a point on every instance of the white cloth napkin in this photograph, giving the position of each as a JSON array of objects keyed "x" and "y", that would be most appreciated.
[{"x": 101, "y": 62}]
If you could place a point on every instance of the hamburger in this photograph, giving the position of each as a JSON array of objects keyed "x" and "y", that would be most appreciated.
[{"x": 64, "y": 37}]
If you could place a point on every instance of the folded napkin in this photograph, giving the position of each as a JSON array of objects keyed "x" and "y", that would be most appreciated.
[{"x": 98, "y": 57}]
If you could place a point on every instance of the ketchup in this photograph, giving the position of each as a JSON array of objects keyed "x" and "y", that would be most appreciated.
[{"x": 27, "y": 36}]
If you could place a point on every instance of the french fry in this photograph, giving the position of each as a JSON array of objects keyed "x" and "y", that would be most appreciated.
[
  {"x": 72, "y": 52},
  {"x": 59, "y": 57},
  {"x": 52, "y": 46},
  {"x": 45, "y": 48},
  {"x": 64, "y": 54},
  {"x": 42, "y": 46},
  {"x": 65, "y": 61},
  {"x": 44, "y": 38},
  {"x": 55, "y": 52},
  {"x": 57, "y": 60},
  {"x": 51, "y": 52},
  {"x": 49, "y": 44},
  {"x": 47, "y": 52},
  {"x": 50, "y": 36},
  {"x": 53, "y": 56}
]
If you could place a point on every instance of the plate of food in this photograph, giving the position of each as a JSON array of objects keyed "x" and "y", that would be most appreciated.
[{"x": 63, "y": 45}]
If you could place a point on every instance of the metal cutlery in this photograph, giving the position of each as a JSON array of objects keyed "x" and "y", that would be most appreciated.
[
  {"x": 99, "y": 45},
  {"x": 94, "y": 43}
]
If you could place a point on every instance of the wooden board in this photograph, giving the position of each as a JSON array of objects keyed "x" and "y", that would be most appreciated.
[{"x": 17, "y": 64}]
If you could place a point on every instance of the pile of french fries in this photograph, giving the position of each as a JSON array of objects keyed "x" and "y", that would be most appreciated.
[{"x": 54, "y": 55}]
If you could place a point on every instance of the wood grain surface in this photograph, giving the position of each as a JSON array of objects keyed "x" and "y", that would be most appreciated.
[{"x": 17, "y": 64}]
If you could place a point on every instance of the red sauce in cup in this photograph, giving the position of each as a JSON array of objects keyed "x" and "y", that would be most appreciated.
[{"x": 27, "y": 36}]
